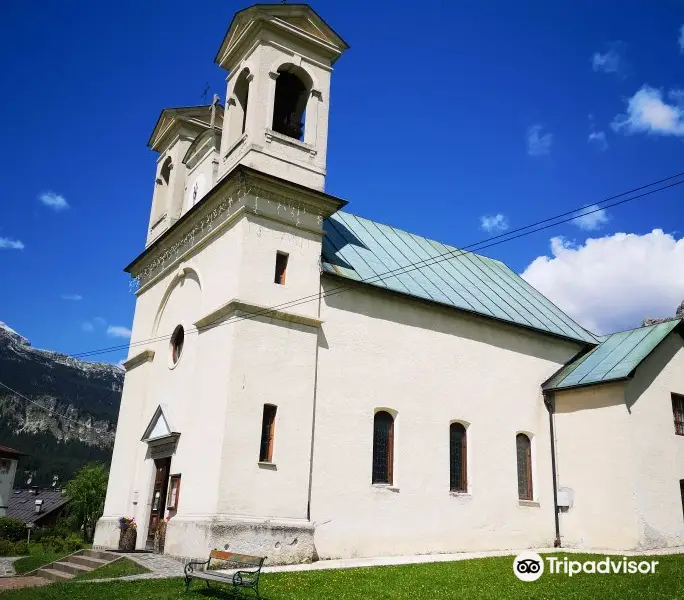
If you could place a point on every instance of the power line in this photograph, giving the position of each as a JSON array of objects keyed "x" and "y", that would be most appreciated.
[
  {"x": 469, "y": 249},
  {"x": 54, "y": 412}
]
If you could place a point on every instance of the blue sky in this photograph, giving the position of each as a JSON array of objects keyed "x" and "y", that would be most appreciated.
[{"x": 443, "y": 114}]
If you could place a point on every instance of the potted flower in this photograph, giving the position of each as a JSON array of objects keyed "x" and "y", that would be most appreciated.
[{"x": 128, "y": 534}]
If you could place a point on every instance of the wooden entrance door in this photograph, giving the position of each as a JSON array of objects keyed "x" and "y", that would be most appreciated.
[{"x": 161, "y": 484}]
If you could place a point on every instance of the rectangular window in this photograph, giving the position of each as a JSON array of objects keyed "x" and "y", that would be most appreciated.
[
  {"x": 174, "y": 492},
  {"x": 280, "y": 267},
  {"x": 267, "y": 433},
  {"x": 678, "y": 412}
]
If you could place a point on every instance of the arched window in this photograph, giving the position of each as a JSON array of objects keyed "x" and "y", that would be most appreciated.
[
  {"x": 524, "y": 452},
  {"x": 383, "y": 447},
  {"x": 292, "y": 90},
  {"x": 458, "y": 458}
]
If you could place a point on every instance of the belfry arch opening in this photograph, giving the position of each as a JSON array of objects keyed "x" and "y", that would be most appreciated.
[
  {"x": 237, "y": 106},
  {"x": 165, "y": 171},
  {"x": 160, "y": 205},
  {"x": 241, "y": 99},
  {"x": 292, "y": 91}
]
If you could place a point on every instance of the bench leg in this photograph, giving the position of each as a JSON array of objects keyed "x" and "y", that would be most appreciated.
[{"x": 187, "y": 585}]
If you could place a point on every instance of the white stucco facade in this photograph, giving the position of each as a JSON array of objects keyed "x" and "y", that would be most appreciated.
[
  {"x": 625, "y": 468},
  {"x": 329, "y": 361},
  {"x": 8, "y": 470},
  {"x": 432, "y": 367}
]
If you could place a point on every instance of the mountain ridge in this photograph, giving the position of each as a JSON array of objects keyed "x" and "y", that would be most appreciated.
[{"x": 62, "y": 411}]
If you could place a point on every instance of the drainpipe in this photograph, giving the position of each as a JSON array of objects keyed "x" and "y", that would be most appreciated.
[
  {"x": 313, "y": 412},
  {"x": 550, "y": 402}
]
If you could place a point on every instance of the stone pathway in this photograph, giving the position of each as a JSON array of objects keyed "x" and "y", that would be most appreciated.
[
  {"x": 14, "y": 583},
  {"x": 160, "y": 567},
  {"x": 7, "y": 565}
]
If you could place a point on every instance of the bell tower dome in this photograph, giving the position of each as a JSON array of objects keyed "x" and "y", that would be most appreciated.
[{"x": 280, "y": 59}]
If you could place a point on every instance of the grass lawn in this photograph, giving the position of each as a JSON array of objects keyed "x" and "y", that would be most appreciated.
[
  {"x": 37, "y": 558},
  {"x": 119, "y": 568},
  {"x": 479, "y": 579}
]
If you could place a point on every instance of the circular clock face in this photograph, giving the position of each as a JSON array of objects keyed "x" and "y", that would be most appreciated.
[{"x": 196, "y": 190}]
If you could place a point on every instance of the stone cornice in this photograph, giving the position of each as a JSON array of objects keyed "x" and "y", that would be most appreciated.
[
  {"x": 138, "y": 359},
  {"x": 252, "y": 310},
  {"x": 242, "y": 190}
]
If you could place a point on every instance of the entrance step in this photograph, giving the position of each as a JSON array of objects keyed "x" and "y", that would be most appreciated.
[
  {"x": 53, "y": 574},
  {"x": 87, "y": 561},
  {"x": 100, "y": 554},
  {"x": 69, "y": 567}
]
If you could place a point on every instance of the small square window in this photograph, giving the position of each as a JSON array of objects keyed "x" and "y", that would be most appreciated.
[{"x": 280, "y": 267}]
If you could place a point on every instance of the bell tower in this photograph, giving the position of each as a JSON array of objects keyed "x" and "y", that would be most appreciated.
[{"x": 280, "y": 59}]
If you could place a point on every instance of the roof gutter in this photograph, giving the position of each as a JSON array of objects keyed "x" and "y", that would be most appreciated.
[{"x": 550, "y": 402}]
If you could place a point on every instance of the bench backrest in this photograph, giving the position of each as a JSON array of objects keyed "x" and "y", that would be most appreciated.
[{"x": 243, "y": 559}]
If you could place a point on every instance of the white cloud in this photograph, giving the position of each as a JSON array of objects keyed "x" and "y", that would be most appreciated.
[
  {"x": 11, "y": 244},
  {"x": 92, "y": 324},
  {"x": 598, "y": 138},
  {"x": 592, "y": 218},
  {"x": 55, "y": 201},
  {"x": 612, "y": 283},
  {"x": 493, "y": 223},
  {"x": 74, "y": 297},
  {"x": 681, "y": 39},
  {"x": 648, "y": 113},
  {"x": 608, "y": 62},
  {"x": 118, "y": 331},
  {"x": 538, "y": 143}
]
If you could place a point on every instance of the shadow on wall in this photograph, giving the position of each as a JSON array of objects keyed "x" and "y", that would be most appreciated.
[
  {"x": 648, "y": 370},
  {"x": 590, "y": 397},
  {"x": 392, "y": 306}
]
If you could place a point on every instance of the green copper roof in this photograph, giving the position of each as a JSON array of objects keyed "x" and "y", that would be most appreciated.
[
  {"x": 380, "y": 255},
  {"x": 613, "y": 359}
]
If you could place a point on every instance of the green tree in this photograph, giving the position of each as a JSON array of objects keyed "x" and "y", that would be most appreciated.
[{"x": 86, "y": 493}]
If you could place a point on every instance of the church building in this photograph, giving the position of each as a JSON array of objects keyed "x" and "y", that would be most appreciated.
[{"x": 304, "y": 383}]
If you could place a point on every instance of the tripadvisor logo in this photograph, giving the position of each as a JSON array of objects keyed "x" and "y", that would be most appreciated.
[{"x": 529, "y": 566}]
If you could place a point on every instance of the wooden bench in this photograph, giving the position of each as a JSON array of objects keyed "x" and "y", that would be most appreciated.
[{"x": 246, "y": 577}]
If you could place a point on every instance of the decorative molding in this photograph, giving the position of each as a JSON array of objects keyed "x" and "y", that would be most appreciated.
[
  {"x": 163, "y": 447},
  {"x": 159, "y": 220},
  {"x": 242, "y": 190},
  {"x": 237, "y": 143},
  {"x": 138, "y": 359},
  {"x": 288, "y": 141},
  {"x": 215, "y": 317}
]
